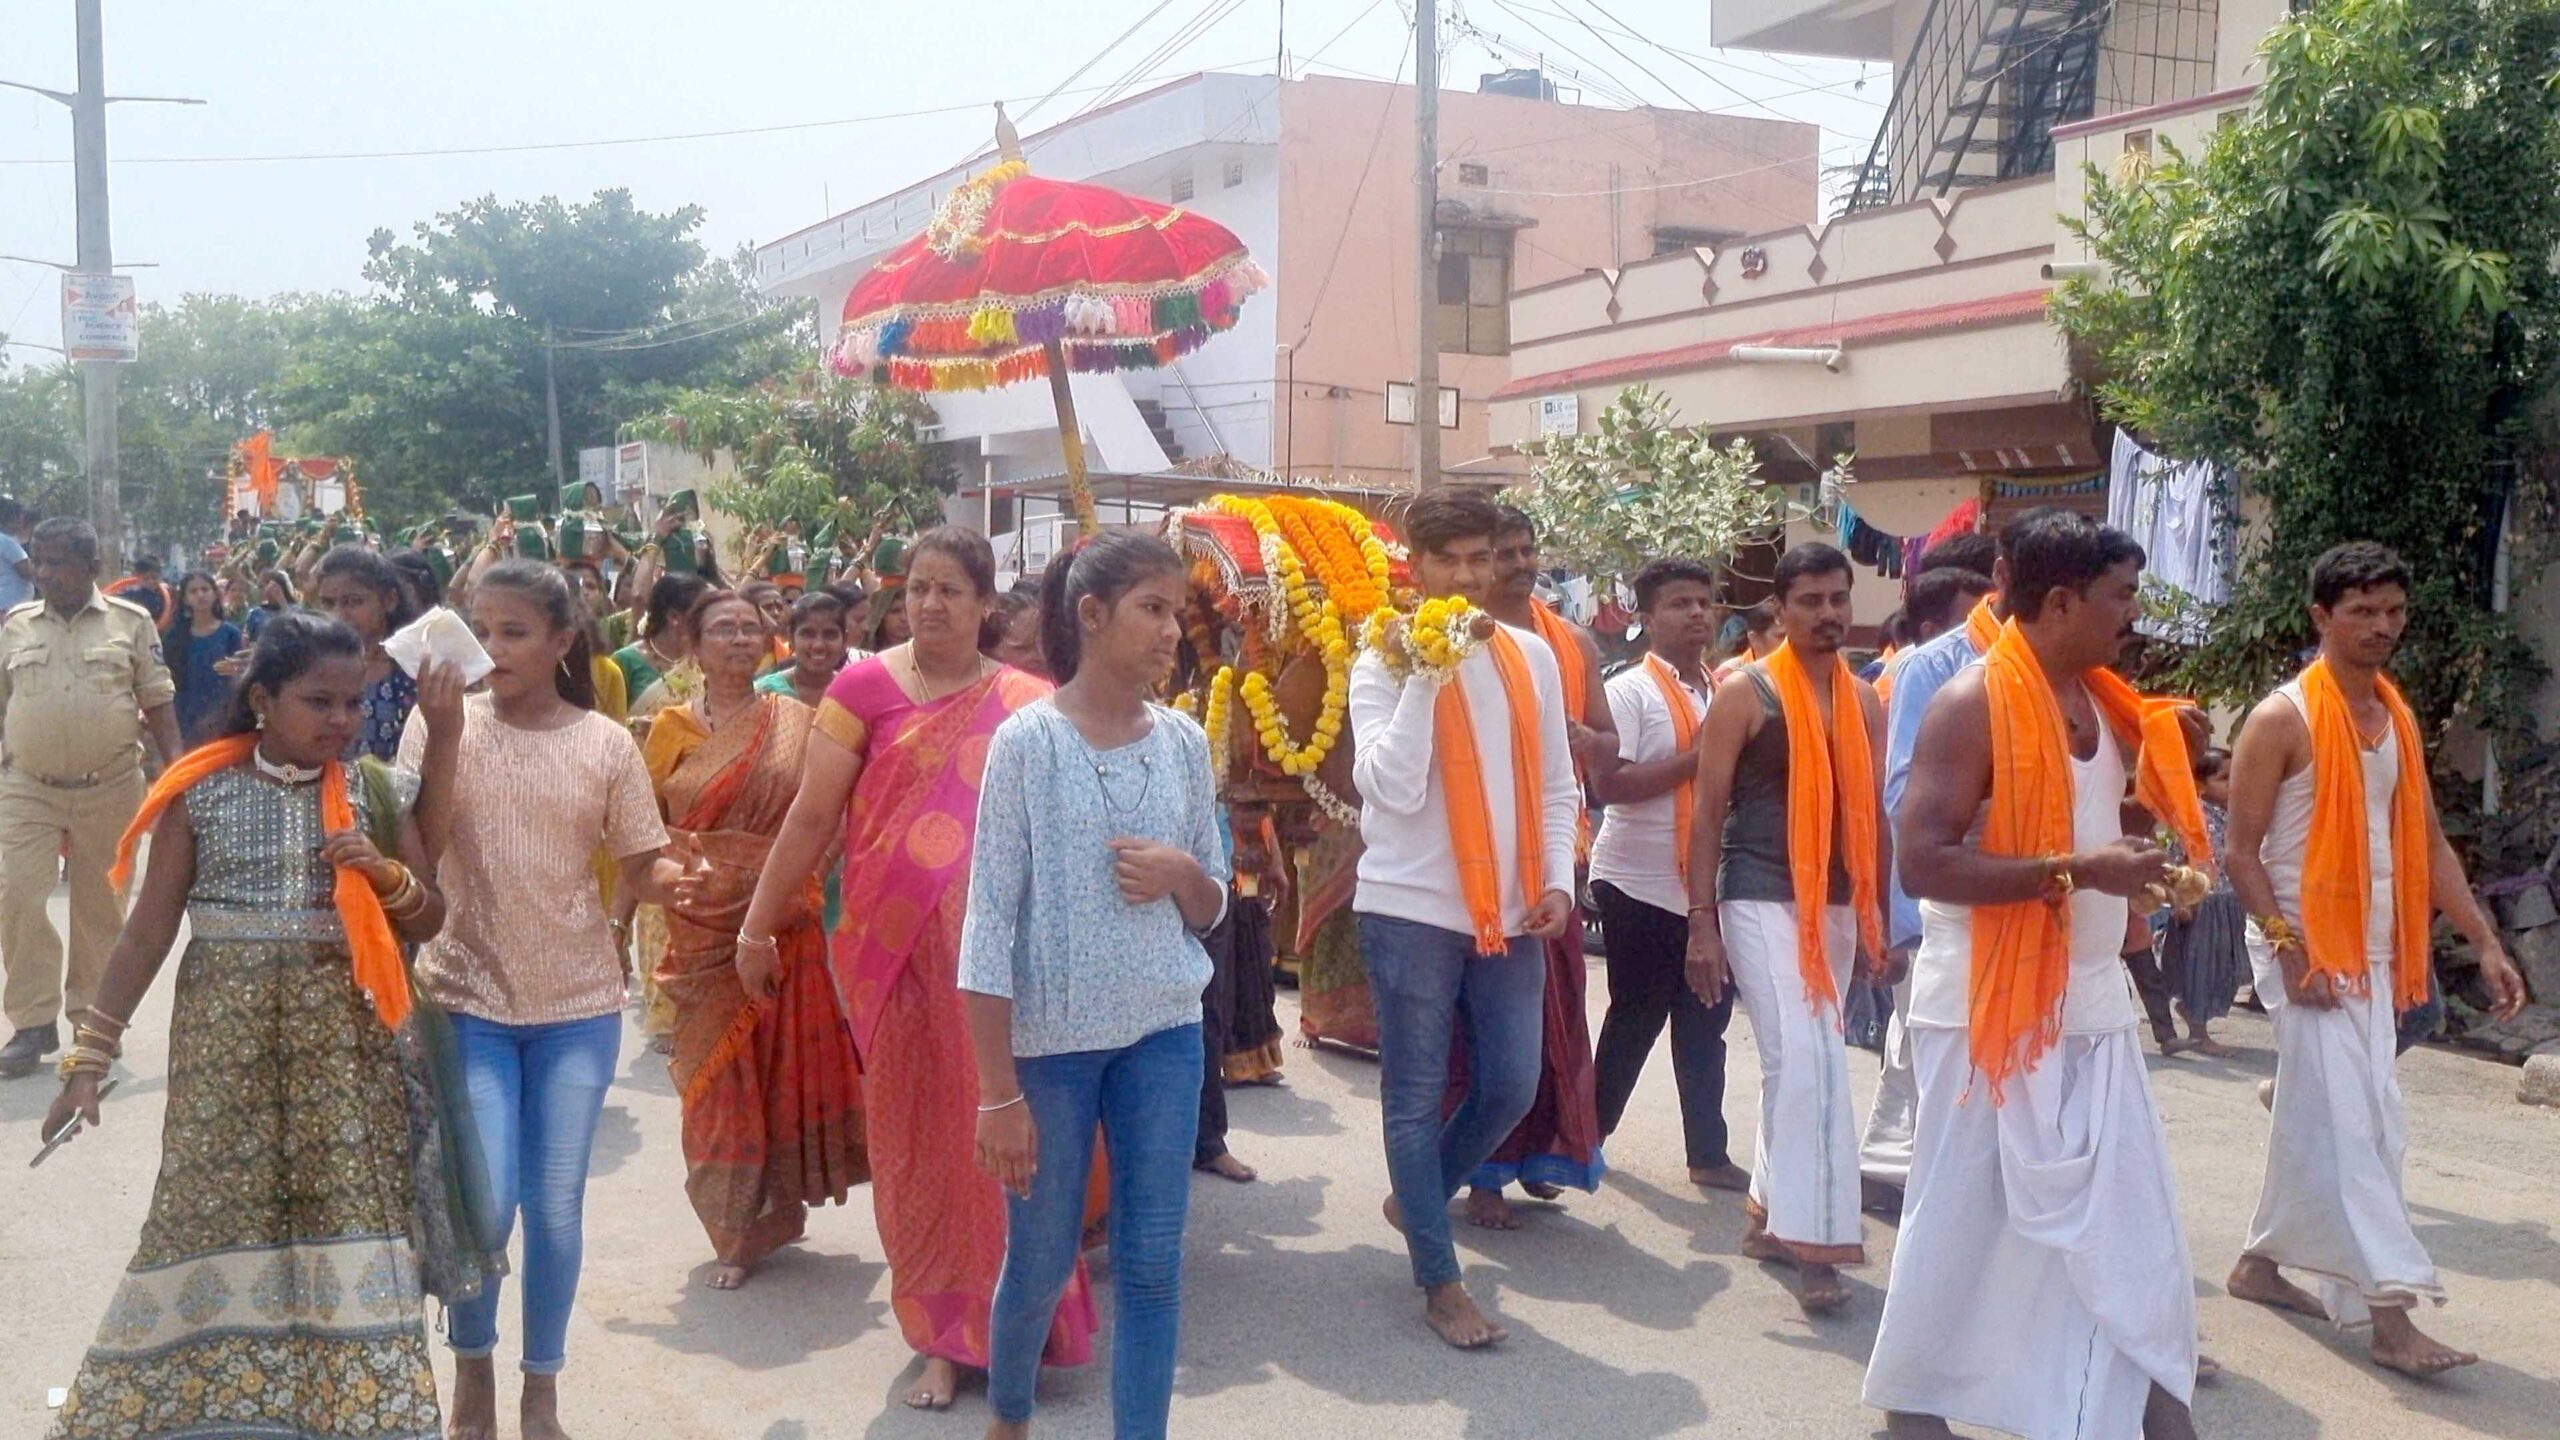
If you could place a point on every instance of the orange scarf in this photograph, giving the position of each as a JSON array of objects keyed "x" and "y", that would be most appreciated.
[
  {"x": 370, "y": 943},
  {"x": 2337, "y": 875},
  {"x": 1830, "y": 780},
  {"x": 1574, "y": 678},
  {"x": 2022, "y": 951},
  {"x": 1684, "y": 729},
  {"x": 1462, "y": 783},
  {"x": 1570, "y": 669},
  {"x": 1982, "y": 624}
]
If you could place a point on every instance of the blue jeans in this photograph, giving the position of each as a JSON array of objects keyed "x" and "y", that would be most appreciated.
[
  {"x": 1423, "y": 980},
  {"x": 536, "y": 1091},
  {"x": 1146, "y": 1098}
]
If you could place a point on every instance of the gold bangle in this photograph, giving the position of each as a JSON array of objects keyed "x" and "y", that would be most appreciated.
[
  {"x": 2059, "y": 882},
  {"x": 84, "y": 1038},
  {"x": 2277, "y": 931},
  {"x": 407, "y": 904},
  {"x": 80, "y": 1059},
  {"x": 398, "y": 885}
]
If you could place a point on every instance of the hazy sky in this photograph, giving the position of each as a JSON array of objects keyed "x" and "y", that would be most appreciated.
[{"x": 287, "y": 78}]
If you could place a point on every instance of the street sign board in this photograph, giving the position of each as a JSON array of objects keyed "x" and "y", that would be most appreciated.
[
  {"x": 631, "y": 468},
  {"x": 1559, "y": 414},
  {"x": 99, "y": 317}
]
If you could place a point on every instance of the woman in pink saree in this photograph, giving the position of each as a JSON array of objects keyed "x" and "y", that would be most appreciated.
[{"x": 897, "y": 751}]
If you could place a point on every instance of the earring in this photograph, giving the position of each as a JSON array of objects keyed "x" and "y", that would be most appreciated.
[{"x": 262, "y": 718}]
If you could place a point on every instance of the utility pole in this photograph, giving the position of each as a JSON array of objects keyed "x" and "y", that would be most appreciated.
[
  {"x": 98, "y": 378},
  {"x": 96, "y": 258},
  {"x": 551, "y": 402},
  {"x": 1426, "y": 245}
]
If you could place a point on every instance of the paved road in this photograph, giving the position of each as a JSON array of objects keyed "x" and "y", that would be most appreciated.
[{"x": 1632, "y": 1314}]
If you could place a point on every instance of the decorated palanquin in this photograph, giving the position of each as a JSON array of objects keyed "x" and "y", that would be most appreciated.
[{"x": 1284, "y": 589}]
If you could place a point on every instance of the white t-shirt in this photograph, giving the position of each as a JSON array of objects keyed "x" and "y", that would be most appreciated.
[
  {"x": 1638, "y": 847},
  {"x": 1407, "y": 869},
  {"x": 2099, "y": 995}
]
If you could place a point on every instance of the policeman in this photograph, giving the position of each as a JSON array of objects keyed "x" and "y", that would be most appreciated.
[{"x": 80, "y": 675}]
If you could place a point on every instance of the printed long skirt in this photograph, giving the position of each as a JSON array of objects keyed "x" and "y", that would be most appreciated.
[{"x": 275, "y": 1291}]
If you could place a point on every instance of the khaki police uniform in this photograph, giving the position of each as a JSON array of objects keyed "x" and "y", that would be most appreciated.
[{"x": 73, "y": 689}]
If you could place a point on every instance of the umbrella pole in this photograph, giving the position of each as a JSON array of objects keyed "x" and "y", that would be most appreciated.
[{"x": 1071, "y": 440}]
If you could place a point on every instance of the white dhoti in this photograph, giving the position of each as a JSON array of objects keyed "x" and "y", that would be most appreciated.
[
  {"x": 1884, "y": 1156},
  {"x": 2331, "y": 1205},
  {"x": 1804, "y": 1165},
  {"x": 2041, "y": 1285}
]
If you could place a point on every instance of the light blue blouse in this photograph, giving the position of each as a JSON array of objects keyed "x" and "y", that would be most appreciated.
[{"x": 1047, "y": 927}]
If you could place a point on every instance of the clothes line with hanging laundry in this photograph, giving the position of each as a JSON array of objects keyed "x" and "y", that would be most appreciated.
[{"x": 2178, "y": 511}]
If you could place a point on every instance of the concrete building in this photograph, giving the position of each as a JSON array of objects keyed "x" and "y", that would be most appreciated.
[
  {"x": 1927, "y": 293},
  {"x": 1314, "y": 175}
]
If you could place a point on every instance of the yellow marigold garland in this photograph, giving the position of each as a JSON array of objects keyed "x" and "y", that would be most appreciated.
[{"x": 1221, "y": 714}]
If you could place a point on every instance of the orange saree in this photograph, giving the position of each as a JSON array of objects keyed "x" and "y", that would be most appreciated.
[{"x": 772, "y": 1096}]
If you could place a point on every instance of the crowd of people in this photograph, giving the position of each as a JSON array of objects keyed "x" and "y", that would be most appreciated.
[{"x": 922, "y": 890}]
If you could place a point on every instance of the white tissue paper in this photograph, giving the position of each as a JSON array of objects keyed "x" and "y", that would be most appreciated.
[{"x": 439, "y": 635}]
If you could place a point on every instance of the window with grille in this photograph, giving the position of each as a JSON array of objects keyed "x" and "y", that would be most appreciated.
[
  {"x": 1182, "y": 186},
  {"x": 1235, "y": 173},
  {"x": 1471, "y": 173},
  {"x": 1475, "y": 291}
]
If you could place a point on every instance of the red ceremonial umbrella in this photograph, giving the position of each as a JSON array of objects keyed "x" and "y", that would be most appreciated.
[{"x": 1018, "y": 277}]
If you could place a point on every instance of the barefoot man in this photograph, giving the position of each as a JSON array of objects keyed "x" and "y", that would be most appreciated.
[
  {"x": 2339, "y": 859},
  {"x": 1785, "y": 867},
  {"x": 2041, "y": 1286},
  {"x": 1640, "y": 871},
  {"x": 1468, "y": 808},
  {"x": 1557, "y": 1143}
]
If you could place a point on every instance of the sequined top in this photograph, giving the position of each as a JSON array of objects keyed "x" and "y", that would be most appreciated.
[
  {"x": 259, "y": 875},
  {"x": 526, "y": 940}
]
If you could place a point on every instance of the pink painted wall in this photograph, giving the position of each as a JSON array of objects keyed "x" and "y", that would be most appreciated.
[{"x": 1595, "y": 183}]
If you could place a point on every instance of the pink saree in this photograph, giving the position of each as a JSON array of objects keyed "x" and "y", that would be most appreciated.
[{"x": 895, "y": 956}]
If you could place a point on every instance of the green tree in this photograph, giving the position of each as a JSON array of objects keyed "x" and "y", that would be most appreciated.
[
  {"x": 435, "y": 384},
  {"x": 40, "y": 438},
  {"x": 1641, "y": 486},
  {"x": 206, "y": 378},
  {"x": 814, "y": 449},
  {"x": 2348, "y": 298}
]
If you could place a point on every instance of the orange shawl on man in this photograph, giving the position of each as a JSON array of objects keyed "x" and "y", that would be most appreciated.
[
  {"x": 2022, "y": 951},
  {"x": 1453, "y": 739},
  {"x": 1684, "y": 730},
  {"x": 1831, "y": 780},
  {"x": 1573, "y": 672},
  {"x": 370, "y": 943},
  {"x": 2337, "y": 863}
]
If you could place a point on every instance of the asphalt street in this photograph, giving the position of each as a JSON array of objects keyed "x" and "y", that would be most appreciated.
[{"x": 1632, "y": 1314}]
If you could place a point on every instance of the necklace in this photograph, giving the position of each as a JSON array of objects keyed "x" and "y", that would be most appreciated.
[
  {"x": 1104, "y": 772},
  {"x": 286, "y": 774},
  {"x": 926, "y": 694},
  {"x": 702, "y": 709}
]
